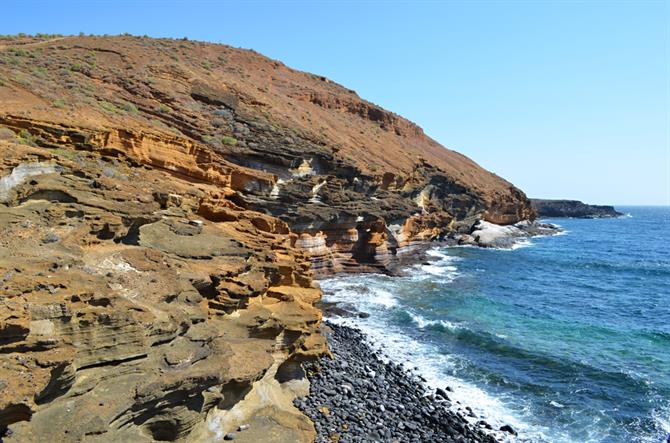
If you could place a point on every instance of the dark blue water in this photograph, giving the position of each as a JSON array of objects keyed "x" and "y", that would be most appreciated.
[{"x": 567, "y": 338}]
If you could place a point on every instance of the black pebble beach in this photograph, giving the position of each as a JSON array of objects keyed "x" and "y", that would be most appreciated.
[{"x": 356, "y": 397}]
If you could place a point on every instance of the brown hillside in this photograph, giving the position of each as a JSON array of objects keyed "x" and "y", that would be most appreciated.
[
  {"x": 177, "y": 87},
  {"x": 164, "y": 208}
]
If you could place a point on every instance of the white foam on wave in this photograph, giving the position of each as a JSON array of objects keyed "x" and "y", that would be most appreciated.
[
  {"x": 661, "y": 419},
  {"x": 435, "y": 367},
  {"x": 430, "y": 362},
  {"x": 358, "y": 294},
  {"x": 521, "y": 244},
  {"x": 441, "y": 267},
  {"x": 518, "y": 244},
  {"x": 436, "y": 269},
  {"x": 422, "y": 322},
  {"x": 436, "y": 252},
  {"x": 383, "y": 298}
]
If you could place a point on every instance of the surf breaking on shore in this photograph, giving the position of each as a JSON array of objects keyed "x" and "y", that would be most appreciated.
[
  {"x": 357, "y": 396},
  {"x": 357, "y": 296}
]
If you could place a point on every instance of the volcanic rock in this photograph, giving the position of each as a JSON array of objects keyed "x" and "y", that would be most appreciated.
[
  {"x": 164, "y": 208},
  {"x": 572, "y": 208}
]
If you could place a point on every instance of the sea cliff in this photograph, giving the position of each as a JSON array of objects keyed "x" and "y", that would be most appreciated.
[{"x": 165, "y": 206}]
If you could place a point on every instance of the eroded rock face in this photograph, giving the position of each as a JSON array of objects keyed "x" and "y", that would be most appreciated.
[
  {"x": 308, "y": 151},
  {"x": 128, "y": 316},
  {"x": 164, "y": 206}
]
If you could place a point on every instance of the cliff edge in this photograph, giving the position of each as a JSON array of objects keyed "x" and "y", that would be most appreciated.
[{"x": 164, "y": 207}]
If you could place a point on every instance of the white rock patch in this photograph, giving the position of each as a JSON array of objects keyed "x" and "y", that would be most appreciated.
[
  {"x": 274, "y": 193},
  {"x": 20, "y": 174},
  {"x": 304, "y": 169},
  {"x": 315, "y": 192},
  {"x": 492, "y": 235}
]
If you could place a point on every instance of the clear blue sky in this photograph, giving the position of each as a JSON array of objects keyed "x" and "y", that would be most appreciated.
[{"x": 565, "y": 99}]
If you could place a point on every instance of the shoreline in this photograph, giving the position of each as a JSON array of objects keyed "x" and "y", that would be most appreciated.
[
  {"x": 462, "y": 411},
  {"x": 358, "y": 397},
  {"x": 482, "y": 234}
]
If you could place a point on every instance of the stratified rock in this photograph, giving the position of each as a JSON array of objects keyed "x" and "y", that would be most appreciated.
[
  {"x": 358, "y": 183},
  {"x": 136, "y": 325},
  {"x": 572, "y": 208},
  {"x": 164, "y": 207}
]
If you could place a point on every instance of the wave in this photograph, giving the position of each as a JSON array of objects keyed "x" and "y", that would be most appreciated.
[
  {"x": 661, "y": 419},
  {"x": 554, "y": 234},
  {"x": 436, "y": 252},
  {"x": 437, "y": 269},
  {"x": 646, "y": 268},
  {"x": 424, "y": 323},
  {"x": 442, "y": 266},
  {"x": 521, "y": 244},
  {"x": 558, "y": 368},
  {"x": 435, "y": 368},
  {"x": 362, "y": 296}
]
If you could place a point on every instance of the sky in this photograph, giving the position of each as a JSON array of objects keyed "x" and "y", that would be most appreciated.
[{"x": 565, "y": 99}]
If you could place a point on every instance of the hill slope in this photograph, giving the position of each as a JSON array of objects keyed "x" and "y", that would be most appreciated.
[{"x": 164, "y": 205}]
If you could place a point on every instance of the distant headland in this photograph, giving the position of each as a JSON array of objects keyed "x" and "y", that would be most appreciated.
[{"x": 572, "y": 208}]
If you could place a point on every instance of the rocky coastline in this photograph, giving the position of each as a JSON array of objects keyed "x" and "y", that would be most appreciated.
[
  {"x": 490, "y": 235},
  {"x": 163, "y": 222},
  {"x": 355, "y": 396},
  {"x": 572, "y": 208}
]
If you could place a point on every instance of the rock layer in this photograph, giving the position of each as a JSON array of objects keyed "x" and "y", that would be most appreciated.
[
  {"x": 358, "y": 179},
  {"x": 164, "y": 206},
  {"x": 127, "y": 314}
]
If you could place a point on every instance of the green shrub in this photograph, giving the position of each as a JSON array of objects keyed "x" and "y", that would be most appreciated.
[
  {"x": 227, "y": 140},
  {"x": 130, "y": 108},
  {"x": 17, "y": 52},
  {"x": 22, "y": 80},
  {"x": 66, "y": 153},
  {"x": 26, "y": 138},
  {"x": 109, "y": 107}
]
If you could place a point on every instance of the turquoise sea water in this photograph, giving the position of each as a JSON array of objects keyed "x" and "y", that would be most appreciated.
[{"x": 566, "y": 338}]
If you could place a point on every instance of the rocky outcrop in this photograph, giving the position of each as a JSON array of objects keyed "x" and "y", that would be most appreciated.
[
  {"x": 490, "y": 235},
  {"x": 572, "y": 208},
  {"x": 131, "y": 312},
  {"x": 164, "y": 207},
  {"x": 310, "y": 152}
]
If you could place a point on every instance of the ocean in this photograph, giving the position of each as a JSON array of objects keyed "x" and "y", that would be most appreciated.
[{"x": 565, "y": 338}]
